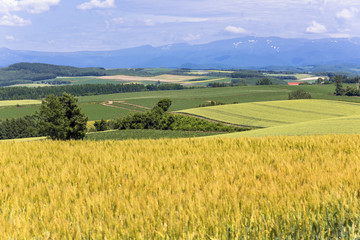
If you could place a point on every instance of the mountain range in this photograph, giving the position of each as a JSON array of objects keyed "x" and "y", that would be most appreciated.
[{"x": 247, "y": 52}]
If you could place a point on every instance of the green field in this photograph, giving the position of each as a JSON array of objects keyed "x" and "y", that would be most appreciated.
[
  {"x": 17, "y": 112},
  {"x": 87, "y": 80},
  {"x": 96, "y": 111},
  {"x": 144, "y": 134},
  {"x": 276, "y": 113},
  {"x": 341, "y": 125}
]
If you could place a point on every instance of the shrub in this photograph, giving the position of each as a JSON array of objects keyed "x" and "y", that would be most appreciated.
[
  {"x": 101, "y": 125},
  {"x": 299, "y": 94},
  {"x": 264, "y": 81}
]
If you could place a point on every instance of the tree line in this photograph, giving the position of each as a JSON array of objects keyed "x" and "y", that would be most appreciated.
[{"x": 19, "y": 93}]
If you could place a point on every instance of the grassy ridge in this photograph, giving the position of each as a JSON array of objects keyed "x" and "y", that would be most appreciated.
[
  {"x": 252, "y": 188},
  {"x": 276, "y": 113}
]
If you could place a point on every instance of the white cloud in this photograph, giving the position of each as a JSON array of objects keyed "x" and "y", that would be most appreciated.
[
  {"x": 11, "y": 38},
  {"x": 316, "y": 27},
  {"x": 191, "y": 37},
  {"x": 37, "y": 6},
  {"x": 7, "y": 7},
  {"x": 149, "y": 22},
  {"x": 347, "y": 13},
  {"x": 97, "y": 4},
  {"x": 31, "y": 6},
  {"x": 115, "y": 21},
  {"x": 13, "y": 20},
  {"x": 232, "y": 29},
  {"x": 152, "y": 20}
]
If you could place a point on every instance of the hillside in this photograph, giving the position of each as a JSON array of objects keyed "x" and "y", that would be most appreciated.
[
  {"x": 23, "y": 73},
  {"x": 277, "y": 113},
  {"x": 341, "y": 125}
]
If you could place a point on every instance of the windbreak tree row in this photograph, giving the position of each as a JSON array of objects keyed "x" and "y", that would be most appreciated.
[{"x": 19, "y": 93}]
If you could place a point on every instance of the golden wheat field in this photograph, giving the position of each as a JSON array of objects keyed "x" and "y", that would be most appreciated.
[{"x": 248, "y": 188}]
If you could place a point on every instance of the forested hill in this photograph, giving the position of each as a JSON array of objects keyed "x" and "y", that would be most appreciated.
[
  {"x": 28, "y": 72},
  {"x": 56, "y": 69}
]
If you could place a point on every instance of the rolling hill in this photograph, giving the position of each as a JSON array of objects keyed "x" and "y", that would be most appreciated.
[
  {"x": 340, "y": 125},
  {"x": 277, "y": 113}
]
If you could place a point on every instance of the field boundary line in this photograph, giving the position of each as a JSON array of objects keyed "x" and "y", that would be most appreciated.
[
  {"x": 131, "y": 104},
  {"x": 107, "y": 104}
]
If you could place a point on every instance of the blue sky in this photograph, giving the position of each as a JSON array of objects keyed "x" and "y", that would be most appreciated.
[{"x": 77, "y": 25}]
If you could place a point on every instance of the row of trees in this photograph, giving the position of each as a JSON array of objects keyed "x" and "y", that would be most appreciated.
[
  {"x": 24, "y": 127},
  {"x": 18, "y": 93}
]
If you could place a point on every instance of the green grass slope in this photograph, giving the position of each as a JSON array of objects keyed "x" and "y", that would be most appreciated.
[
  {"x": 277, "y": 113},
  {"x": 341, "y": 125}
]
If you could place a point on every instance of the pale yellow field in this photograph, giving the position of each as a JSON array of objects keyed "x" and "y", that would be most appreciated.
[
  {"x": 162, "y": 78},
  {"x": 7, "y": 103},
  {"x": 204, "y": 81},
  {"x": 249, "y": 188}
]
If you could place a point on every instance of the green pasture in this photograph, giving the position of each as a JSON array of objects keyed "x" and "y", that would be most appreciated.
[
  {"x": 135, "y": 108},
  {"x": 144, "y": 134},
  {"x": 96, "y": 111},
  {"x": 276, "y": 113},
  {"x": 88, "y": 80},
  {"x": 17, "y": 112},
  {"x": 341, "y": 125}
]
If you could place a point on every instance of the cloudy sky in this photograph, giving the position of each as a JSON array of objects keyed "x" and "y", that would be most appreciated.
[{"x": 76, "y": 25}]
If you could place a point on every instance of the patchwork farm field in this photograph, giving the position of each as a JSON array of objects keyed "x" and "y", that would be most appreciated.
[
  {"x": 181, "y": 99},
  {"x": 276, "y": 113},
  {"x": 251, "y": 188}
]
